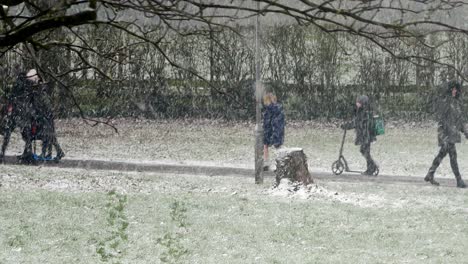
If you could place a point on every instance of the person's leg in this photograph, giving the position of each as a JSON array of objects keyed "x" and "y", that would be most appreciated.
[
  {"x": 53, "y": 140},
  {"x": 435, "y": 164},
  {"x": 371, "y": 166},
  {"x": 9, "y": 127},
  {"x": 58, "y": 149},
  {"x": 45, "y": 141},
  {"x": 49, "y": 150},
  {"x": 452, "y": 151},
  {"x": 27, "y": 137},
  {"x": 6, "y": 141},
  {"x": 265, "y": 157}
]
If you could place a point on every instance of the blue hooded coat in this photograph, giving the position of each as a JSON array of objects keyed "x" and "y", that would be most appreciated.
[{"x": 273, "y": 125}]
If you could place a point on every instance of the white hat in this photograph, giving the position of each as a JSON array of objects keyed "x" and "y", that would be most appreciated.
[{"x": 32, "y": 75}]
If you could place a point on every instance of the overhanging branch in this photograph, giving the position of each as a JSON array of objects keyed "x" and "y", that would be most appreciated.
[
  {"x": 24, "y": 33},
  {"x": 11, "y": 2}
]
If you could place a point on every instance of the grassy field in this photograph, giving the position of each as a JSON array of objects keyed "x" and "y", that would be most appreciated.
[{"x": 51, "y": 215}]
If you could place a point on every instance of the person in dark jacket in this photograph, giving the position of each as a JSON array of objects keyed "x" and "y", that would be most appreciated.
[
  {"x": 28, "y": 107},
  {"x": 43, "y": 118},
  {"x": 273, "y": 125},
  {"x": 449, "y": 114},
  {"x": 26, "y": 113},
  {"x": 365, "y": 134},
  {"x": 17, "y": 109}
]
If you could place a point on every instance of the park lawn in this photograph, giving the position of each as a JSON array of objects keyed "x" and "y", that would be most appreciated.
[{"x": 50, "y": 215}]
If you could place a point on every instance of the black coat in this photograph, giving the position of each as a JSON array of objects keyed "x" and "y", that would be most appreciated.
[
  {"x": 20, "y": 99},
  {"x": 363, "y": 124},
  {"x": 451, "y": 119}
]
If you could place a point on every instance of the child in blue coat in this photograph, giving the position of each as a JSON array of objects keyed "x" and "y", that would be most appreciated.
[{"x": 273, "y": 125}]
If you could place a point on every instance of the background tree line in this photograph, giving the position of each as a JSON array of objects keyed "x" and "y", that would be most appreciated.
[{"x": 211, "y": 74}]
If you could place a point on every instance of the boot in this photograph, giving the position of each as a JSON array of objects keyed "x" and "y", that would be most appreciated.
[
  {"x": 60, "y": 155},
  {"x": 430, "y": 178},
  {"x": 460, "y": 182},
  {"x": 26, "y": 158},
  {"x": 370, "y": 170}
]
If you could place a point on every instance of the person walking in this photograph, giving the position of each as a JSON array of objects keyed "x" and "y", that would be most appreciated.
[
  {"x": 44, "y": 119},
  {"x": 17, "y": 109},
  {"x": 449, "y": 115}
]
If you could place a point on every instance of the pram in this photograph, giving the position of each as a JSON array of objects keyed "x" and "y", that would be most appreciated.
[{"x": 341, "y": 164}]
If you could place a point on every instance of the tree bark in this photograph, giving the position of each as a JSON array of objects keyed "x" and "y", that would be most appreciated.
[{"x": 291, "y": 163}]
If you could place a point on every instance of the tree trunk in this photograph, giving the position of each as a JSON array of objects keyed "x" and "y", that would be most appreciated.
[{"x": 291, "y": 163}]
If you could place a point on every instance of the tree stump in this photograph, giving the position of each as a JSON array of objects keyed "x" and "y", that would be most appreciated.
[{"x": 291, "y": 163}]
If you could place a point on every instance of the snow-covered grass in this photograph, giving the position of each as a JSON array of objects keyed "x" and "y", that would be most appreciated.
[
  {"x": 51, "y": 215},
  {"x": 405, "y": 149}
]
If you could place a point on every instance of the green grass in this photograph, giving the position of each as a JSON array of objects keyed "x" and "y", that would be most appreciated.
[{"x": 52, "y": 215}]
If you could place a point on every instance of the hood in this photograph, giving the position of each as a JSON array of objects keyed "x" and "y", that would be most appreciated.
[
  {"x": 364, "y": 101},
  {"x": 449, "y": 86}
]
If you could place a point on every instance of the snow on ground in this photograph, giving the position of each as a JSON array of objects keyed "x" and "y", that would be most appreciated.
[
  {"x": 406, "y": 149},
  {"x": 319, "y": 192},
  {"x": 54, "y": 215}
]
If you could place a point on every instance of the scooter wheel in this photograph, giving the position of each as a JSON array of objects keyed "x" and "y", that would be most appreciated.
[{"x": 337, "y": 167}]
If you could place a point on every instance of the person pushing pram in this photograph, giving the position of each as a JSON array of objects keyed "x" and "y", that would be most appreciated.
[{"x": 28, "y": 107}]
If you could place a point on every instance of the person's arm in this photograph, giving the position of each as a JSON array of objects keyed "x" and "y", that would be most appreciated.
[
  {"x": 464, "y": 126},
  {"x": 267, "y": 115}
]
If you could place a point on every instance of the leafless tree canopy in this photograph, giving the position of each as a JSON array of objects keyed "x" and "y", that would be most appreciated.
[
  {"x": 71, "y": 40},
  {"x": 373, "y": 19}
]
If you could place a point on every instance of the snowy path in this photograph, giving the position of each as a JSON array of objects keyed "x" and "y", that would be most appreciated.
[{"x": 211, "y": 169}]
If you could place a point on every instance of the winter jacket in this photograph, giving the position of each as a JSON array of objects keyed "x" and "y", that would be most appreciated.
[
  {"x": 273, "y": 125},
  {"x": 42, "y": 113},
  {"x": 20, "y": 100},
  {"x": 363, "y": 124},
  {"x": 42, "y": 103},
  {"x": 450, "y": 117}
]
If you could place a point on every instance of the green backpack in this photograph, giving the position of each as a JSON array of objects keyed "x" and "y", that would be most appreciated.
[{"x": 379, "y": 125}]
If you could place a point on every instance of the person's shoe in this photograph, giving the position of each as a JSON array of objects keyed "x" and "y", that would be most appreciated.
[
  {"x": 430, "y": 178},
  {"x": 369, "y": 172},
  {"x": 26, "y": 158},
  {"x": 461, "y": 184},
  {"x": 59, "y": 156}
]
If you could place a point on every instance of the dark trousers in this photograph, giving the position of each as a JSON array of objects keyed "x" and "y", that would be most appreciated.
[
  {"x": 365, "y": 151},
  {"x": 452, "y": 151},
  {"x": 8, "y": 127},
  {"x": 6, "y": 141}
]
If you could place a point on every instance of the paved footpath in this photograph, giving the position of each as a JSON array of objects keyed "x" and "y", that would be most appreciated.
[{"x": 203, "y": 168}]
